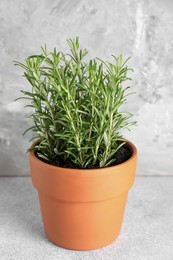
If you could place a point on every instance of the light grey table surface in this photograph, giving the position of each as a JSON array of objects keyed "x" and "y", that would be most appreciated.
[{"x": 147, "y": 232}]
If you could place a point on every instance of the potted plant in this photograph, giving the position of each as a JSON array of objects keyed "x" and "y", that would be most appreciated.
[{"x": 81, "y": 165}]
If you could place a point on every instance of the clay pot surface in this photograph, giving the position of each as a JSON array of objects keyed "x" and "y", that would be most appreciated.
[{"x": 82, "y": 209}]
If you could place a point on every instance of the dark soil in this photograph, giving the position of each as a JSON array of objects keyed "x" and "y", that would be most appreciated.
[{"x": 122, "y": 155}]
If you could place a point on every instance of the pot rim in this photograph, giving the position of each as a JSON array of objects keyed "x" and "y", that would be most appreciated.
[{"x": 85, "y": 171}]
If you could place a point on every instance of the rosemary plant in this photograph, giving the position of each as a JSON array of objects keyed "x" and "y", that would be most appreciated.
[{"x": 76, "y": 106}]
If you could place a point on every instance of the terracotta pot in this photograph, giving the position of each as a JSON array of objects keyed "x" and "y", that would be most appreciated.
[{"x": 83, "y": 209}]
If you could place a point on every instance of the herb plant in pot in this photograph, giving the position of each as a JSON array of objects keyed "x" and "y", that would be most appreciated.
[{"x": 81, "y": 165}]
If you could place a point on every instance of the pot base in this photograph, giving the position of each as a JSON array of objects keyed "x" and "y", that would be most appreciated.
[
  {"x": 82, "y": 226},
  {"x": 83, "y": 248}
]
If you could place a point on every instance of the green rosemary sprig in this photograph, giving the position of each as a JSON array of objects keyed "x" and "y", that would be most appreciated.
[{"x": 76, "y": 105}]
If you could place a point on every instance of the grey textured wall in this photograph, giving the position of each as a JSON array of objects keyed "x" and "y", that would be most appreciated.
[{"x": 140, "y": 28}]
